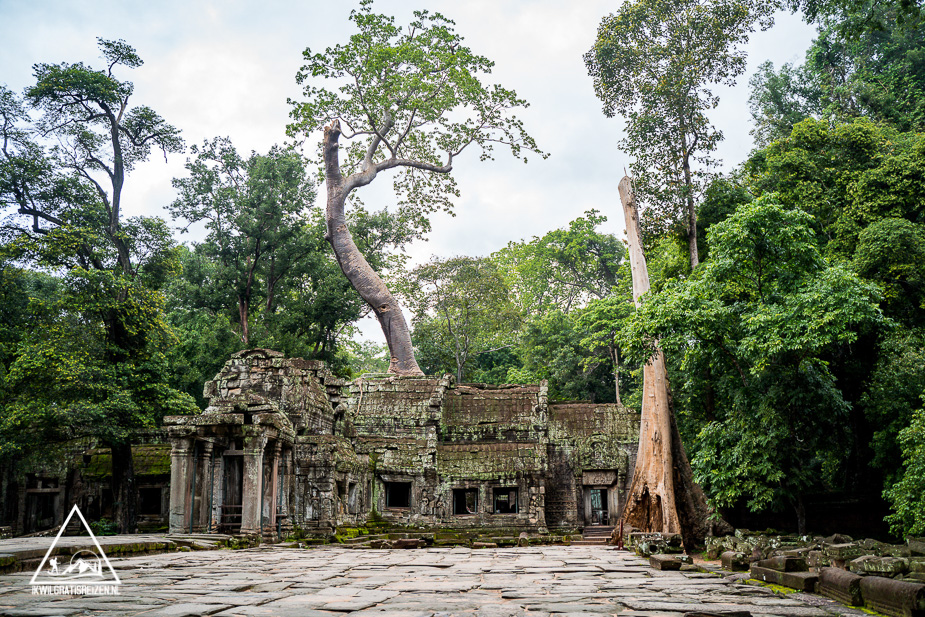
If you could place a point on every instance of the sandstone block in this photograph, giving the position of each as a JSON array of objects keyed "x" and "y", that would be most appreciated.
[
  {"x": 840, "y": 585},
  {"x": 892, "y": 597},
  {"x": 665, "y": 562},
  {"x": 733, "y": 560},
  {"x": 882, "y": 566},
  {"x": 784, "y": 564},
  {"x": 801, "y": 581}
]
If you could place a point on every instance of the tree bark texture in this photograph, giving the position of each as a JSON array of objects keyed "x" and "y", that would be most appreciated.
[
  {"x": 355, "y": 267},
  {"x": 663, "y": 496},
  {"x": 124, "y": 493}
]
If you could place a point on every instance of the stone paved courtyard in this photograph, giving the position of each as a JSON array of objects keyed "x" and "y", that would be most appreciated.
[{"x": 547, "y": 580}]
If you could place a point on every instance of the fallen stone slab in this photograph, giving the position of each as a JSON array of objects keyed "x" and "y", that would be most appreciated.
[
  {"x": 802, "y": 581},
  {"x": 484, "y": 545},
  {"x": 782, "y": 563},
  {"x": 408, "y": 543},
  {"x": 843, "y": 552},
  {"x": 892, "y": 597},
  {"x": 840, "y": 585},
  {"x": 718, "y": 614},
  {"x": 883, "y": 566},
  {"x": 734, "y": 560},
  {"x": 665, "y": 562}
]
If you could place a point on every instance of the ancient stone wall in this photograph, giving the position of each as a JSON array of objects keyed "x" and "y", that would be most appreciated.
[{"x": 420, "y": 451}]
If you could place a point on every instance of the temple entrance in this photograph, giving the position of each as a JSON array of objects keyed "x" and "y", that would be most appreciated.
[
  {"x": 232, "y": 492},
  {"x": 600, "y": 513}
]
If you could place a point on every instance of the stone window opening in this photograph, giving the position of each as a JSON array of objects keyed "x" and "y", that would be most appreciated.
[
  {"x": 149, "y": 500},
  {"x": 505, "y": 500},
  {"x": 465, "y": 501},
  {"x": 397, "y": 494}
]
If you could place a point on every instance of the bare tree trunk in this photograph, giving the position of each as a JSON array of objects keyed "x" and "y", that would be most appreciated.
[
  {"x": 243, "y": 317},
  {"x": 124, "y": 493},
  {"x": 663, "y": 496},
  {"x": 691, "y": 215},
  {"x": 357, "y": 270},
  {"x": 616, "y": 372}
]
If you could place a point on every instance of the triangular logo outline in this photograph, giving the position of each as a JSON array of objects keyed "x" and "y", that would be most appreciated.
[{"x": 96, "y": 543}]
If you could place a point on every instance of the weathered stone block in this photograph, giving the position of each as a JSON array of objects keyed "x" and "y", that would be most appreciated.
[
  {"x": 484, "y": 545},
  {"x": 784, "y": 564},
  {"x": 736, "y": 561},
  {"x": 817, "y": 559},
  {"x": 665, "y": 562},
  {"x": 892, "y": 597},
  {"x": 801, "y": 581},
  {"x": 882, "y": 566},
  {"x": 840, "y": 585},
  {"x": 408, "y": 543},
  {"x": 843, "y": 552}
]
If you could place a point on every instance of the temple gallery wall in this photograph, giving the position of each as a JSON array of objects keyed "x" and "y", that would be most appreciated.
[{"x": 284, "y": 445}]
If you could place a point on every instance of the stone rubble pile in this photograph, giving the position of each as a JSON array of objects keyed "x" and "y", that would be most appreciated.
[{"x": 887, "y": 578}]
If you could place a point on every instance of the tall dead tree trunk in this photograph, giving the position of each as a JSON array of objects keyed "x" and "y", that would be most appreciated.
[
  {"x": 355, "y": 267},
  {"x": 663, "y": 496}
]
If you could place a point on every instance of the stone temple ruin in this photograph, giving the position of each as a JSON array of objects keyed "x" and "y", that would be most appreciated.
[{"x": 285, "y": 445}]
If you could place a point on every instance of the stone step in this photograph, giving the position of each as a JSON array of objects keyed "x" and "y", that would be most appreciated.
[
  {"x": 802, "y": 581},
  {"x": 597, "y": 531},
  {"x": 590, "y": 542}
]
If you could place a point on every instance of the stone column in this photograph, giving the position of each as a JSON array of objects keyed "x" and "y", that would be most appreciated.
[
  {"x": 274, "y": 484},
  {"x": 252, "y": 487},
  {"x": 180, "y": 459},
  {"x": 205, "y": 481}
]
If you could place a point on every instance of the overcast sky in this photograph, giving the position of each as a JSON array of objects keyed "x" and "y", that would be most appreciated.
[{"x": 227, "y": 67}]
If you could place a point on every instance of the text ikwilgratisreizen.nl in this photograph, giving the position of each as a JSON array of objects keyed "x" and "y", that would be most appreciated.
[{"x": 75, "y": 590}]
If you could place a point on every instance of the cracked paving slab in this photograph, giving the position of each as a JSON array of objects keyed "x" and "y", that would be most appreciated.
[{"x": 554, "y": 581}]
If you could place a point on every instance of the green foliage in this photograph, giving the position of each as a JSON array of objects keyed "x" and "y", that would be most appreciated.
[
  {"x": 563, "y": 269},
  {"x": 602, "y": 321},
  {"x": 851, "y": 70},
  {"x": 551, "y": 348},
  {"x": 907, "y": 496},
  {"x": 846, "y": 175},
  {"x": 410, "y": 98},
  {"x": 891, "y": 252},
  {"x": 653, "y": 64},
  {"x": 895, "y": 388},
  {"x": 89, "y": 361},
  {"x": 461, "y": 309},
  {"x": 756, "y": 328},
  {"x": 779, "y": 101}
]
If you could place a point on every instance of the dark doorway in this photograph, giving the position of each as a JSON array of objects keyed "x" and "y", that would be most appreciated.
[
  {"x": 600, "y": 513},
  {"x": 397, "y": 494},
  {"x": 465, "y": 501},
  {"x": 505, "y": 500},
  {"x": 232, "y": 492}
]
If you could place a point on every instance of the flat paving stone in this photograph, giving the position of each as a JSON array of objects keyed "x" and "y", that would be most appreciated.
[{"x": 547, "y": 581}]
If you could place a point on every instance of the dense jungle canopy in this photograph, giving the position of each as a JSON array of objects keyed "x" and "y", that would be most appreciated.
[{"x": 788, "y": 294}]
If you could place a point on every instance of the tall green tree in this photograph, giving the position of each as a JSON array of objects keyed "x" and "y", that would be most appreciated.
[
  {"x": 94, "y": 364},
  {"x": 762, "y": 321},
  {"x": 411, "y": 100},
  {"x": 653, "y": 64},
  {"x": 253, "y": 210},
  {"x": 565, "y": 268},
  {"x": 462, "y": 309}
]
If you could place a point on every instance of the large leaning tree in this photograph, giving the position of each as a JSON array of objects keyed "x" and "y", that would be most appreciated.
[
  {"x": 653, "y": 64},
  {"x": 407, "y": 100}
]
